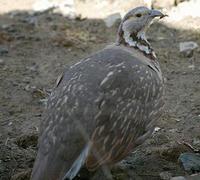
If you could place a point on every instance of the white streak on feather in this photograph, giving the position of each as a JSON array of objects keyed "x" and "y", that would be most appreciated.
[{"x": 106, "y": 78}]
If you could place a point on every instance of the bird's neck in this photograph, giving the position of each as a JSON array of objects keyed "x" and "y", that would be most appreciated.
[{"x": 138, "y": 41}]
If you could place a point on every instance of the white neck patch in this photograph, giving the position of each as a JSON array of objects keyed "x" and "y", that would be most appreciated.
[
  {"x": 129, "y": 40},
  {"x": 140, "y": 35}
]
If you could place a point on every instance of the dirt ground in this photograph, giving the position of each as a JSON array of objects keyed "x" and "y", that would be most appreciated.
[{"x": 34, "y": 50}]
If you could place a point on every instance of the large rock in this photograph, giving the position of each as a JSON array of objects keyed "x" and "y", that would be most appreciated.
[
  {"x": 190, "y": 162},
  {"x": 178, "y": 178}
]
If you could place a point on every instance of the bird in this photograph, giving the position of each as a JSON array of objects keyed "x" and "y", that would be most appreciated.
[{"x": 104, "y": 106}]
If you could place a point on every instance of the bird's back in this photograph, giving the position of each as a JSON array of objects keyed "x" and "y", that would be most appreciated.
[{"x": 110, "y": 95}]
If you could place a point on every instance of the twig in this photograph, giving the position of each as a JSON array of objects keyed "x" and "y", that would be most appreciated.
[{"x": 190, "y": 147}]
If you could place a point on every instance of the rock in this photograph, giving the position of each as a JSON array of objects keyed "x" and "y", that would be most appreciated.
[
  {"x": 112, "y": 19},
  {"x": 165, "y": 175},
  {"x": 186, "y": 48},
  {"x": 191, "y": 66},
  {"x": 3, "y": 51},
  {"x": 32, "y": 20},
  {"x": 10, "y": 28},
  {"x": 194, "y": 177},
  {"x": 178, "y": 178},
  {"x": 33, "y": 68},
  {"x": 190, "y": 162},
  {"x": 2, "y": 62},
  {"x": 4, "y": 26},
  {"x": 196, "y": 141},
  {"x": 156, "y": 129}
]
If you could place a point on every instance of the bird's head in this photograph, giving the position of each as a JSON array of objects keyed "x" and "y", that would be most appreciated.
[{"x": 134, "y": 25}]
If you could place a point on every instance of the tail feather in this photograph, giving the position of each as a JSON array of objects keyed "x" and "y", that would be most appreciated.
[{"x": 78, "y": 163}]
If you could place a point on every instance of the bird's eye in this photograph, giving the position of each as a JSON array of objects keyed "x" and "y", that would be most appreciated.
[{"x": 138, "y": 15}]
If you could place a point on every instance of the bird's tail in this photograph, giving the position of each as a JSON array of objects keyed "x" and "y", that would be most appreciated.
[{"x": 78, "y": 163}]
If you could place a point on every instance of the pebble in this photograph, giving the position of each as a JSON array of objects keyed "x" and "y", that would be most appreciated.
[
  {"x": 165, "y": 175},
  {"x": 194, "y": 177},
  {"x": 189, "y": 45},
  {"x": 186, "y": 48},
  {"x": 11, "y": 28},
  {"x": 196, "y": 142},
  {"x": 3, "y": 51},
  {"x": 156, "y": 129},
  {"x": 178, "y": 178},
  {"x": 2, "y": 62}
]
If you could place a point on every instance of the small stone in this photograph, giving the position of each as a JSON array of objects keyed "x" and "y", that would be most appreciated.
[
  {"x": 165, "y": 175},
  {"x": 178, "y": 178},
  {"x": 157, "y": 129},
  {"x": 196, "y": 142},
  {"x": 190, "y": 45},
  {"x": 32, "y": 20},
  {"x": 10, "y": 28},
  {"x": 20, "y": 37},
  {"x": 187, "y": 48},
  {"x": 3, "y": 51},
  {"x": 10, "y": 123},
  {"x": 177, "y": 120},
  {"x": 194, "y": 177},
  {"x": 27, "y": 87},
  {"x": 173, "y": 130},
  {"x": 33, "y": 68},
  {"x": 112, "y": 19},
  {"x": 14, "y": 14},
  {"x": 26, "y": 79},
  {"x": 1, "y": 62},
  {"x": 190, "y": 162},
  {"x": 191, "y": 66}
]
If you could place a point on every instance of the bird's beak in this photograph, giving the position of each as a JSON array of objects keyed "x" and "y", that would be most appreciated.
[{"x": 156, "y": 13}]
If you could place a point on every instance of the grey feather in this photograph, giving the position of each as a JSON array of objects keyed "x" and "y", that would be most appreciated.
[{"x": 78, "y": 163}]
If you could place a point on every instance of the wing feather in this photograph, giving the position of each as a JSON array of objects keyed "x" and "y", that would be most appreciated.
[{"x": 134, "y": 118}]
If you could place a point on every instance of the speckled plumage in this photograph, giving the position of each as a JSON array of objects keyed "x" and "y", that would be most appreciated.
[{"x": 102, "y": 108}]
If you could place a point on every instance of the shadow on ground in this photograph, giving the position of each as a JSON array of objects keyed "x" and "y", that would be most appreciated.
[{"x": 34, "y": 50}]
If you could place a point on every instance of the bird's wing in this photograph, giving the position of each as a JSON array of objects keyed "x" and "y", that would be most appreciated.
[{"x": 131, "y": 102}]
